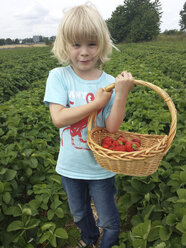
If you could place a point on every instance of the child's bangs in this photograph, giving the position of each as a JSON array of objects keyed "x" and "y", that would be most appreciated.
[{"x": 81, "y": 30}]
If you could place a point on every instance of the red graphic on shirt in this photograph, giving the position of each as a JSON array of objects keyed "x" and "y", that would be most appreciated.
[{"x": 77, "y": 128}]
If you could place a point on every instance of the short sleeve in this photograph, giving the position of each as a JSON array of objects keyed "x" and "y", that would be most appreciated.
[{"x": 55, "y": 91}]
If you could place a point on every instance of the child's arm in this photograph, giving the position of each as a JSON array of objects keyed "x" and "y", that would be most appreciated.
[
  {"x": 62, "y": 116},
  {"x": 123, "y": 85}
]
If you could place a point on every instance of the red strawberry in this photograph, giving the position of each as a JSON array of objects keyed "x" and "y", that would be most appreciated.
[
  {"x": 111, "y": 147},
  {"x": 122, "y": 139},
  {"x": 106, "y": 138},
  {"x": 107, "y": 141},
  {"x": 131, "y": 146},
  {"x": 120, "y": 148},
  {"x": 105, "y": 146},
  {"x": 137, "y": 140},
  {"x": 116, "y": 143},
  {"x": 137, "y": 143}
]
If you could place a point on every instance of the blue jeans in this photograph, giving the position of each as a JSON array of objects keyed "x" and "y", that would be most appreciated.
[{"x": 102, "y": 192}]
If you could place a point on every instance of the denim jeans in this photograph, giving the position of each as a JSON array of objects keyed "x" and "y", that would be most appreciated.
[{"x": 102, "y": 192}]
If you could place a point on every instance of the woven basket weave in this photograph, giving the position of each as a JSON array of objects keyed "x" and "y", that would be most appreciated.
[{"x": 138, "y": 163}]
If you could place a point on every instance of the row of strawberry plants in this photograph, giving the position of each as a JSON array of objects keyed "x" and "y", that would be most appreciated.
[
  {"x": 19, "y": 68},
  {"x": 34, "y": 210},
  {"x": 169, "y": 60}
]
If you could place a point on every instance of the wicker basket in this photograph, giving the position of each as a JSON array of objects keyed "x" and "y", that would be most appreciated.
[{"x": 138, "y": 163}]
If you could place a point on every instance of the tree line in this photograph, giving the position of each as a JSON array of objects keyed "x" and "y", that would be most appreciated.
[{"x": 8, "y": 41}]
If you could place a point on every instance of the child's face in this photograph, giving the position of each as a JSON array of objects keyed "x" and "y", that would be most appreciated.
[{"x": 83, "y": 56}]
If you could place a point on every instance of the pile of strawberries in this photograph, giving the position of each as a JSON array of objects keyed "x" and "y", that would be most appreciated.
[{"x": 121, "y": 144}]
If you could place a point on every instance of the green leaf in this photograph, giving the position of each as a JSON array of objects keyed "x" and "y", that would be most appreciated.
[
  {"x": 183, "y": 239},
  {"x": 32, "y": 224},
  {"x": 182, "y": 225},
  {"x": 15, "y": 225},
  {"x": 14, "y": 211},
  {"x": 180, "y": 212},
  {"x": 184, "y": 222},
  {"x": 27, "y": 211},
  {"x": 2, "y": 171},
  {"x": 153, "y": 234},
  {"x": 183, "y": 176},
  {"x": 139, "y": 243},
  {"x": 181, "y": 193},
  {"x": 141, "y": 186},
  {"x": 27, "y": 152},
  {"x": 33, "y": 162},
  {"x": 56, "y": 202},
  {"x": 1, "y": 132},
  {"x": 59, "y": 212},
  {"x": 142, "y": 230},
  {"x": 147, "y": 211},
  {"x": 50, "y": 214},
  {"x": 28, "y": 172},
  {"x": 53, "y": 241},
  {"x": 61, "y": 233},
  {"x": 164, "y": 233},
  {"x": 56, "y": 179},
  {"x": 49, "y": 225},
  {"x": 6, "y": 197},
  {"x": 1, "y": 187},
  {"x": 161, "y": 245},
  {"x": 34, "y": 204},
  {"x": 45, "y": 237},
  {"x": 10, "y": 174},
  {"x": 171, "y": 219},
  {"x": 29, "y": 246}
]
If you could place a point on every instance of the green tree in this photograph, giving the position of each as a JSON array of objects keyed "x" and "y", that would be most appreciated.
[
  {"x": 2, "y": 42},
  {"x": 183, "y": 17},
  {"x": 8, "y": 41},
  {"x": 135, "y": 20},
  {"x": 47, "y": 41}
]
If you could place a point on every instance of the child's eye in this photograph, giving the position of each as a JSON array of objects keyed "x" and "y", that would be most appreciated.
[
  {"x": 76, "y": 45},
  {"x": 92, "y": 44}
]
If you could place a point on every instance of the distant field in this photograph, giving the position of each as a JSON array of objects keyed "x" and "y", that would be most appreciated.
[{"x": 21, "y": 45}]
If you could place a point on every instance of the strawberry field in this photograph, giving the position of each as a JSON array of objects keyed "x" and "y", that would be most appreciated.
[{"x": 33, "y": 206}]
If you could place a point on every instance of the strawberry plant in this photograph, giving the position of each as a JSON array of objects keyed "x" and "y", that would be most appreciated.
[{"x": 19, "y": 68}]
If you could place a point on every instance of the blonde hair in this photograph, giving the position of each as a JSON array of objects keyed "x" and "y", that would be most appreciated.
[{"x": 82, "y": 23}]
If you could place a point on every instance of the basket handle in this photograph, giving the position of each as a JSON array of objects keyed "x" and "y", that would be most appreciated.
[{"x": 163, "y": 94}]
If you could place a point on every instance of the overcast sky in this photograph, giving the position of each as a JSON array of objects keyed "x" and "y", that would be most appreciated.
[{"x": 25, "y": 18}]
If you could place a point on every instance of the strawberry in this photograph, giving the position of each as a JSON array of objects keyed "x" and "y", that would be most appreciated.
[
  {"x": 136, "y": 140},
  {"x": 131, "y": 146},
  {"x": 105, "y": 146},
  {"x": 111, "y": 147},
  {"x": 137, "y": 143},
  {"x": 107, "y": 141},
  {"x": 116, "y": 143},
  {"x": 120, "y": 148},
  {"x": 122, "y": 139},
  {"x": 107, "y": 138}
]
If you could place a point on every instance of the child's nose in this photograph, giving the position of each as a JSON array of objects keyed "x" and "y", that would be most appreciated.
[{"x": 84, "y": 50}]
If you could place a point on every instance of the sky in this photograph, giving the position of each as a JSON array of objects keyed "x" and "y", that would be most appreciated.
[{"x": 25, "y": 18}]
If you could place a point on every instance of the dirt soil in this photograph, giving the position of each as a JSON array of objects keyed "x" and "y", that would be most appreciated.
[{"x": 21, "y": 46}]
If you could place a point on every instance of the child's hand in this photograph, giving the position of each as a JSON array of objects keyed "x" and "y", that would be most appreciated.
[
  {"x": 102, "y": 97},
  {"x": 124, "y": 83}
]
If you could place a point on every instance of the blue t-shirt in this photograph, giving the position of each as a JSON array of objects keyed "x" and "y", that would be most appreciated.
[{"x": 64, "y": 87}]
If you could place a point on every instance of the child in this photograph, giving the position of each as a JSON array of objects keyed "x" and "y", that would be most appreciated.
[{"x": 73, "y": 92}]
